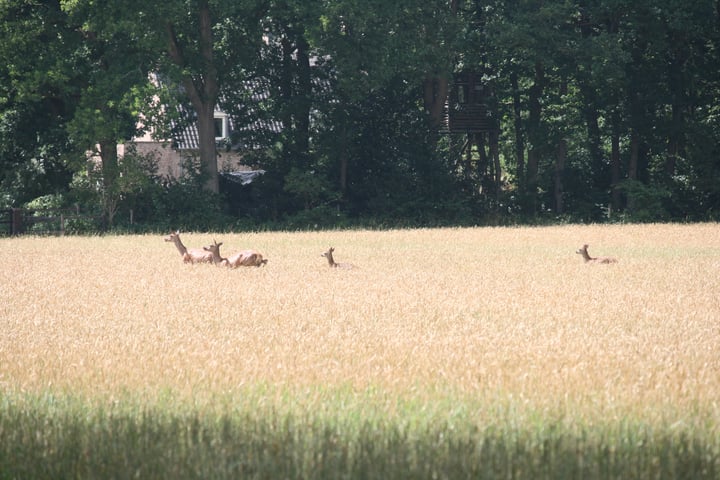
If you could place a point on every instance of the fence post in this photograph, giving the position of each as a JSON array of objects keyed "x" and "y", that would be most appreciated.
[{"x": 16, "y": 226}]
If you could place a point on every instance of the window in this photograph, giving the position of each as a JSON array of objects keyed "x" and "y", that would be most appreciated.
[{"x": 221, "y": 126}]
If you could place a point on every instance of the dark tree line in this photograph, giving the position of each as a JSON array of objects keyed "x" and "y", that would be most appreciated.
[{"x": 596, "y": 110}]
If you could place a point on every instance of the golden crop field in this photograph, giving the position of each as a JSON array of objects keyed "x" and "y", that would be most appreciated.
[{"x": 496, "y": 316}]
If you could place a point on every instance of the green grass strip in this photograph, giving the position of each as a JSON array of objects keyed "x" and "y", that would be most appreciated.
[{"x": 65, "y": 437}]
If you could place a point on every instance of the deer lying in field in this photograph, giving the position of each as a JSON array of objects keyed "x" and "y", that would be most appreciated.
[
  {"x": 588, "y": 259},
  {"x": 245, "y": 258},
  {"x": 193, "y": 255},
  {"x": 331, "y": 261}
]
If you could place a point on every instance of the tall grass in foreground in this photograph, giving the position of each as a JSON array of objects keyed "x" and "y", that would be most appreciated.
[
  {"x": 487, "y": 352},
  {"x": 49, "y": 437}
]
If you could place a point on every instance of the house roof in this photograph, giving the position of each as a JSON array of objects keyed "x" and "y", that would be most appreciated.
[
  {"x": 250, "y": 136},
  {"x": 259, "y": 131}
]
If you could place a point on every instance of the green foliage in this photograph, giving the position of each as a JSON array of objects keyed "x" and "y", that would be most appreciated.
[
  {"x": 186, "y": 205},
  {"x": 33, "y": 157},
  {"x": 320, "y": 217},
  {"x": 345, "y": 80},
  {"x": 309, "y": 186},
  {"x": 57, "y": 213},
  {"x": 46, "y": 202},
  {"x": 83, "y": 225},
  {"x": 136, "y": 180},
  {"x": 57, "y": 437},
  {"x": 645, "y": 202}
]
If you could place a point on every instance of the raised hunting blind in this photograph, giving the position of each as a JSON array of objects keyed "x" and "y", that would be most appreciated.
[
  {"x": 469, "y": 121},
  {"x": 466, "y": 109}
]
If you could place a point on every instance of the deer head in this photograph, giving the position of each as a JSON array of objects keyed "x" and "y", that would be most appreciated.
[
  {"x": 331, "y": 261},
  {"x": 214, "y": 250},
  {"x": 192, "y": 255}
]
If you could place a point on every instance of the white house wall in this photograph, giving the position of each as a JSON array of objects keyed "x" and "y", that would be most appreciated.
[{"x": 170, "y": 160}]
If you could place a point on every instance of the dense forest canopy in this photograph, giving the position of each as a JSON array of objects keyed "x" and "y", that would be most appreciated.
[{"x": 587, "y": 111}]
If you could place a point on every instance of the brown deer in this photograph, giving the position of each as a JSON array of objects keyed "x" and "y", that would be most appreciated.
[
  {"x": 193, "y": 255},
  {"x": 331, "y": 261},
  {"x": 245, "y": 258},
  {"x": 214, "y": 251},
  {"x": 588, "y": 259}
]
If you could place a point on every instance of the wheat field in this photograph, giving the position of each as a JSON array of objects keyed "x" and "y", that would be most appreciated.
[{"x": 435, "y": 320}]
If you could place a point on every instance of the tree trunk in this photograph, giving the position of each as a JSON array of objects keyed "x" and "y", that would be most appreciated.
[
  {"x": 676, "y": 86},
  {"x": 295, "y": 91},
  {"x": 495, "y": 154},
  {"x": 560, "y": 160},
  {"x": 517, "y": 122},
  {"x": 343, "y": 170},
  {"x": 435, "y": 92},
  {"x": 110, "y": 174},
  {"x": 634, "y": 156},
  {"x": 302, "y": 137},
  {"x": 535, "y": 113},
  {"x": 590, "y": 112},
  {"x": 343, "y": 154},
  {"x": 615, "y": 168},
  {"x": 286, "y": 94},
  {"x": 435, "y": 89},
  {"x": 482, "y": 163},
  {"x": 202, "y": 90},
  {"x": 590, "y": 107},
  {"x": 207, "y": 146},
  {"x": 675, "y": 141},
  {"x": 531, "y": 182},
  {"x": 467, "y": 170}
]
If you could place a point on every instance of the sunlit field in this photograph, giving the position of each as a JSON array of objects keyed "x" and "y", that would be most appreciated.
[{"x": 490, "y": 352}]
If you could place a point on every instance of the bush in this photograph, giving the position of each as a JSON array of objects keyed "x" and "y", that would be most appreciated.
[
  {"x": 645, "y": 203},
  {"x": 324, "y": 216},
  {"x": 184, "y": 206},
  {"x": 46, "y": 202}
]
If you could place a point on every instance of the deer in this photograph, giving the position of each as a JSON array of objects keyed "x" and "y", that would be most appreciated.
[
  {"x": 331, "y": 261},
  {"x": 214, "y": 251},
  {"x": 193, "y": 255},
  {"x": 245, "y": 258},
  {"x": 588, "y": 259}
]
